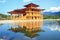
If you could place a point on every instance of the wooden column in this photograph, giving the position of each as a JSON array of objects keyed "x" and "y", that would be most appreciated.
[{"x": 11, "y": 17}]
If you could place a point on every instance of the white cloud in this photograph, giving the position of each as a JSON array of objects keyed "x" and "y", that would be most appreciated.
[
  {"x": 2, "y": 1},
  {"x": 53, "y": 9},
  {"x": 27, "y": 0},
  {"x": 54, "y": 28}
]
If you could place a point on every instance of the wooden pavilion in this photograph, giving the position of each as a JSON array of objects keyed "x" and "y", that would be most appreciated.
[{"x": 30, "y": 12}]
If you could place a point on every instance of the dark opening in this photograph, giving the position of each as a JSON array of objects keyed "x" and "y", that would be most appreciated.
[{"x": 35, "y": 17}]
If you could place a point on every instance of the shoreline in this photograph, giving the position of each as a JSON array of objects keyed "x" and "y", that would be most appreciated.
[{"x": 10, "y": 21}]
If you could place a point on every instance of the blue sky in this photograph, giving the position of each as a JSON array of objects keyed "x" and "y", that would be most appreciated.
[{"x": 9, "y": 5}]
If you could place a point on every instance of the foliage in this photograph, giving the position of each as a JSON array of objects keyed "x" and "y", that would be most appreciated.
[
  {"x": 3, "y": 16},
  {"x": 51, "y": 16}
]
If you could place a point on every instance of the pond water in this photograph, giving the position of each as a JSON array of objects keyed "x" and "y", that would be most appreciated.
[{"x": 38, "y": 30}]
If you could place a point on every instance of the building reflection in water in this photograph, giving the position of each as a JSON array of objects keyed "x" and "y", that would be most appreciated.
[{"x": 30, "y": 29}]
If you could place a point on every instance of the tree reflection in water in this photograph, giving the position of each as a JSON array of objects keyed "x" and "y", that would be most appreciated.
[
  {"x": 30, "y": 29},
  {"x": 59, "y": 22},
  {"x": 1, "y": 24}
]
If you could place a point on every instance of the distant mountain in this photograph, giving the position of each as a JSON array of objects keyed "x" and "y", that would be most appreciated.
[{"x": 51, "y": 13}]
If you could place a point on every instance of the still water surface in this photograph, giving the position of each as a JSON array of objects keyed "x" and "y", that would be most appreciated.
[{"x": 38, "y": 30}]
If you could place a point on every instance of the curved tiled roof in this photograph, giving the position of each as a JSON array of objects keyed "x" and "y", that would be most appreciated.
[
  {"x": 33, "y": 9},
  {"x": 18, "y": 11},
  {"x": 31, "y": 4}
]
